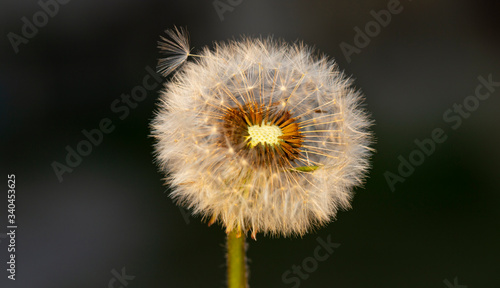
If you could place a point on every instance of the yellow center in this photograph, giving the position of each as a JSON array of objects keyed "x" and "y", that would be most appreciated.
[{"x": 265, "y": 134}]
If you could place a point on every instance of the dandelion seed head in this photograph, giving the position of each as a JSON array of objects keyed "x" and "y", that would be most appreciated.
[{"x": 262, "y": 136}]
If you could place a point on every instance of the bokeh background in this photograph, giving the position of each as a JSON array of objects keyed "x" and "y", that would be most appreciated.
[{"x": 113, "y": 212}]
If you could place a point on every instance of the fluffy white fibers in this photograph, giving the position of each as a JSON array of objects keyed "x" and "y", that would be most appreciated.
[{"x": 261, "y": 135}]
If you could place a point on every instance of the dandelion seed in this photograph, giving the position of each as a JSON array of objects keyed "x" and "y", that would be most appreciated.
[
  {"x": 175, "y": 49},
  {"x": 259, "y": 135}
]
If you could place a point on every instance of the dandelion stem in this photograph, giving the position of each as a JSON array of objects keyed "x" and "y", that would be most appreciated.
[{"x": 236, "y": 260}]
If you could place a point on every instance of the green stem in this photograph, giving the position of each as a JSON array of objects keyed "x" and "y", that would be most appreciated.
[{"x": 236, "y": 262}]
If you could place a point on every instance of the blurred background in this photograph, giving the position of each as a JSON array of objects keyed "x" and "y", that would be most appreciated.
[{"x": 111, "y": 214}]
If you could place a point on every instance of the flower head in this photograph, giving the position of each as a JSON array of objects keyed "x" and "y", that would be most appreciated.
[{"x": 262, "y": 136}]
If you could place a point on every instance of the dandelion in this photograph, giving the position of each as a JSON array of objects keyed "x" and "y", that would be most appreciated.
[{"x": 260, "y": 135}]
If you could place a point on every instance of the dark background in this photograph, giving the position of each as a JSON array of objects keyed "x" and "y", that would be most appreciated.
[{"x": 113, "y": 211}]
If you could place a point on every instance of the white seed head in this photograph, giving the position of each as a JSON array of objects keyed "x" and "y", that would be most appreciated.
[{"x": 260, "y": 135}]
